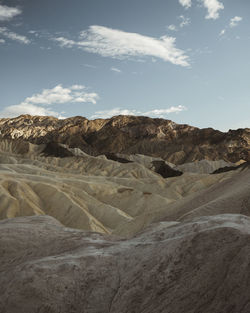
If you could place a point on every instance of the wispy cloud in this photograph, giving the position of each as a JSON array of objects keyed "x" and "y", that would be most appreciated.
[
  {"x": 213, "y": 7},
  {"x": 38, "y": 104},
  {"x": 2, "y": 41},
  {"x": 4, "y": 31},
  {"x": 235, "y": 21},
  {"x": 114, "y": 69},
  {"x": 222, "y": 32},
  {"x": 64, "y": 42},
  {"x": 118, "y": 44},
  {"x": 185, "y": 21},
  {"x": 153, "y": 113},
  {"x": 7, "y": 13},
  {"x": 89, "y": 66},
  {"x": 34, "y": 33},
  {"x": 163, "y": 112},
  {"x": 172, "y": 27},
  {"x": 186, "y": 3}
]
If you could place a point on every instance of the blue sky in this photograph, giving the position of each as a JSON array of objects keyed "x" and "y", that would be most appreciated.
[{"x": 184, "y": 60}]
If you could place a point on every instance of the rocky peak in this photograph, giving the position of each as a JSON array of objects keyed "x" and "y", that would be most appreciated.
[{"x": 176, "y": 143}]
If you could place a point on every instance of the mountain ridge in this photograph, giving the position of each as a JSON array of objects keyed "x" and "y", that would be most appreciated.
[{"x": 176, "y": 143}]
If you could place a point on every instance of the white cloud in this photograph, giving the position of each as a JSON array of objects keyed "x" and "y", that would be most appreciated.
[
  {"x": 172, "y": 27},
  {"x": 37, "y": 103},
  {"x": 34, "y": 33},
  {"x": 113, "y": 112},
  {"x": 213, "y": 7},
  {"x": 77, "y": 87},
  {"x": 7, "y": 13},
  {"x": 222, "y": 32},
  {"x": 2, "y": 40},
  {"x": 13, "y": 36},
  {"x": 186, "y": 3},
  {"x": 64, "y": 42},
  {"x": 114, "y": 69},
  {"x": 162, "y": 112},
  {"x": 235, "y": 21},
  {"x": 153, "y": 113},
  {"x": 121, "y": 45},
  {"x": 185, "y": 21},
  {"x": 27, "y": 108},
  {"x": 60, "y": 94},
  {"x": 90, "y": 66}
]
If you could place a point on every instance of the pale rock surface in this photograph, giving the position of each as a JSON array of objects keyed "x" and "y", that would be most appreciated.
[
  {"x": 203, "y": 166},
  {"x": 90, "y": 193},
  {"x": 197, "y": 266}
]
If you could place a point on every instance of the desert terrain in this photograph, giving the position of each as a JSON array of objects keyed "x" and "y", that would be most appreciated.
[{"x": 128, "y": 214}]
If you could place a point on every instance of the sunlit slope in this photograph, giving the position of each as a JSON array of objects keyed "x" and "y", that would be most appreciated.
[{"x": 92, "y": 193}]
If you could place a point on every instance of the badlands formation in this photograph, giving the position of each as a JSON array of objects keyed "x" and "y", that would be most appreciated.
[{"x": 129, "y": 214}]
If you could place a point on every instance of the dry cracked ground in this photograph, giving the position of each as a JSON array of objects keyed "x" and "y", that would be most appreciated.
[{"x": 121, "y": 233}]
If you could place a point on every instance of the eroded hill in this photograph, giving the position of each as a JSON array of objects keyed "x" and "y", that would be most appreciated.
[{"x": 129, "y": 214}]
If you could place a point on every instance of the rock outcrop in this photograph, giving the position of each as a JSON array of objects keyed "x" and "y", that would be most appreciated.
[{"x": 130, "y": 135}]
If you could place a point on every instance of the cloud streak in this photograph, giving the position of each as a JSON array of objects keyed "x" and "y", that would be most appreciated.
[
  {"x": 118, "y": 44},
  {"x": 7, "y": 13},
  {"x": 39, "y": 104},
  {"x": 4, "y": 31},
  {"x": 114, "y": 69},
  {"x": 235, "y": 21},
  {"x": 153, "y": 113}
]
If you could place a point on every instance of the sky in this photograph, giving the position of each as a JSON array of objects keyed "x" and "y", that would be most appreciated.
[{"x": 183, "y": 60}]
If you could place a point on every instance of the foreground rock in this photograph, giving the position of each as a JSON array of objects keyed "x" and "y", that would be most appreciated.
[{"x": 201, "y": 265}]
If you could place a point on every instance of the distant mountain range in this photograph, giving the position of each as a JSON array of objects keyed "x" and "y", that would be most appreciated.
[{"x": 175, "y": 143}]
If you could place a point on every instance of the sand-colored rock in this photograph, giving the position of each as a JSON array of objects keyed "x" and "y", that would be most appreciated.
[
  {"x": 203, "y": 166},
  {"x": 229, "y": 194},
  {"x": 88, "y": 192}
]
